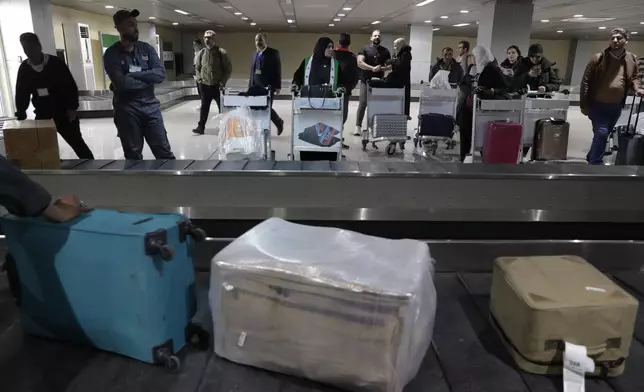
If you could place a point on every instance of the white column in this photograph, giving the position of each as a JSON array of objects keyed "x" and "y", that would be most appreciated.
[
  {"x": 583, "y": 53},
  {"x": 387, "y": 40},
  {"x": 147, "y": 33},
  {"x": 420, "y": 40},
  {"x": 22, "y": 16},
  {"x": 504, "y": 23}
]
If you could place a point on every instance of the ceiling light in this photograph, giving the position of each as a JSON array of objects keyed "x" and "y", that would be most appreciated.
[
  {"x": 464, "y": 11},
  {"x": 151, "y": 17},
  {"x": 633, "y": 32},
  {"x": 244, "y": 18},
  {"x": 181, "y": 12},
  {"x": 428, "y": 21},
  {"x": 237, "y": 13},
  {"x": 461, "y": 25},
  {"x": 337, "y": 19},
  {"x": 346, "y": 9},
  {"x": 109, "y": 6},
  {"x": 293, "y": 26},
  {"x": 444, "y": 17},
  {"x": 602, "y": 27},
  {"x": 424, "y": 2},
  {"x": 577, "y": 16},
  {"x": 375, "y": 22},
  {"x": 331, "y": 25},
  {"x": 175, "y": 23},
  {"x": 436, "y": 29},
  {"x": 559, "y": 31},
  {"x": 342, "y": 14},
  {"x": 290, "y": 21},
  {"x": 253, "y": 24},
  {"x": 641, "y": 22},
  {"x": 220, "y": 25},
  {"x": 228, "y": 7},
  {"x": 544, "y": 21}
]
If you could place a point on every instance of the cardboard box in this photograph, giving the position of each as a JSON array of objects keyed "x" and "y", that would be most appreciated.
[{"x": 32, "y": 144}]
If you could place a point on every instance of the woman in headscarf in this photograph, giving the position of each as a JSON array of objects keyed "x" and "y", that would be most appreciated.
[
  {"x": 320, "y": 69},
  {"x": 485, "y": 79},
  {"x": 400, "y": 75}
]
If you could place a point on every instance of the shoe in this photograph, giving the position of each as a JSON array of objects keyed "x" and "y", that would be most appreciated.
[
  {"x": 280, "y": 128},
  {"x": 198, "y": 131},
  {"x": 358, "y": 131}
]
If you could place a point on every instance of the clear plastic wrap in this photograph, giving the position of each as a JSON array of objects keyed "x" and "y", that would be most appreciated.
[
  {"x": 440, "y": 81},
  {"x": 240, "y": 135},
  {"x": 326, "y": 304}
]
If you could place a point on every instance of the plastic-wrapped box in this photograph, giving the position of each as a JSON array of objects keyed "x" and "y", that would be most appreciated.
[{"x": 327, "y": 304}]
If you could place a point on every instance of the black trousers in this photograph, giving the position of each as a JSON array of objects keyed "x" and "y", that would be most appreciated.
[
  {"x": 208, "y": 93},
  {"x": 198, "y": 89},
  {"x": 275, "y": 118},
  {"x": 137, "y": 123},
  {"x": 71, "y": 133},
  {"x": 345, "y": 109}
]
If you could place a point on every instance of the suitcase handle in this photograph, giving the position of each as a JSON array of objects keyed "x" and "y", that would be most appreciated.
[
  {"x": 637, "y": 119},
  {"x": 596, "y": 351}
]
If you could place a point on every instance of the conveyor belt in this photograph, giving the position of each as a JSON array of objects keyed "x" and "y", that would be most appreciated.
[{"x": 466, "y": 356}]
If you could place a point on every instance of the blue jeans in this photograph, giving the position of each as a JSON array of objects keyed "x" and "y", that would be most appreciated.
[{"x": 604, "y": 116}]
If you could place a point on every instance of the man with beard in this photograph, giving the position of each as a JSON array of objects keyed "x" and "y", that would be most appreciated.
[
  {"x": 134, "y": 68},
  {"x": 266, "y": 70},
  {"x": 447, "y": 63},
  {"x": 371, "y": 60}
]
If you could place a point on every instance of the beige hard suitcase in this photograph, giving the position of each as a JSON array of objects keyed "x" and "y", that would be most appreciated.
[{"x": 538, "y": 303}]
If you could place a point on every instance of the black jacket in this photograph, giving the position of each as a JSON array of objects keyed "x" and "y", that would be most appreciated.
[
  {"x": 270, "y": 66},
  {"x": 490, "y": 78},
  {"x": 320, "y": 67},
  {"x": 52, "y": 91},
  {"x": 400, "y": 75},
  {"x": 455, "y": 71},
  {"x": 547, "y": 78},
  {"x": 18, "y": 193},
  {"x": 349, "y": 67}
]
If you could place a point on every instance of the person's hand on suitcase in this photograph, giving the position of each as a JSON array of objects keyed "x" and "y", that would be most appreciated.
[
  {"x": 65, "y": 209},
  {"x": 542, "y": 89},
  {"x": 640, "y": 92}
]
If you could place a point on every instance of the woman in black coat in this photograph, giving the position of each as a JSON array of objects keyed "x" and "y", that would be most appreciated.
[
  {"x": 400, "y": 75},
  {"x": 484, "y": 79}
]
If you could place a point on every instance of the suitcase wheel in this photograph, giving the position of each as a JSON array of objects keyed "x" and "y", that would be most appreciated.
[
  {"x": 198, "y": 337},
  {"x": 391, "y": 149},
  {"x": 402, "y": 146},
  {"x": 374, "y": 145},
  {"x": 415, "y": 142},
  {"x": 172, "y": 363}
]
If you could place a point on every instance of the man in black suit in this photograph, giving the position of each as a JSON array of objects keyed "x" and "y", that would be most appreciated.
[{"x": 266, "y": 70}]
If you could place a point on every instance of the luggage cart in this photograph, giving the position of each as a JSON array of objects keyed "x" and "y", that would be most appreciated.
[
  {"x": 318, "y": 124},
  {"x": 386, "y": 119},
  {"x": 438, "y": 101},
  {"x": 231, "y": 100},
  {"x": 547, "y": 105},
  {"x": 491, "y": 110}
]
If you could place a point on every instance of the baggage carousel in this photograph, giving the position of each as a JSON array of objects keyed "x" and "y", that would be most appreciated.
[{"x": 468, "y": 215}]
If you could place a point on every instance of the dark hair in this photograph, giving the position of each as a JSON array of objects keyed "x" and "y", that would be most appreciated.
[
  {"x": 446, "y": 48},
  {"x": 345, "y": 40},
  {"x": 29, "y": 38},
  {"x": 197, "y": 42},
  {"x": 622, "y": 31},
  {"x": 466, "y": 45},
  {"x": 535, "y": 49},
  {"x": 516, "y": 48}
]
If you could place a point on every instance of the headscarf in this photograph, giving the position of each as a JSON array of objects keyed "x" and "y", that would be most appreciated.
[
  {"x": 320, "y": 48},
  {"x": 483, "y": 56}
]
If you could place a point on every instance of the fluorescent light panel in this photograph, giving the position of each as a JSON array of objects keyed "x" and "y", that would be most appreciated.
[
  {"x": 337, "y": 19},
  {"x": 559, "y": 31},
  {"x": 544, "y": 21},
  {"x": 331, "y": 25},
  {"x": 461, "y": 25},
  {"x": 436, "y": 29},
  {"x": 464, "y": 12},
  {"x": 182, "y": 12},
  {"x": 346, "y": 9},
  {"x": 151, "y": 17},
  {"x": 253, "y": 23},
  {"x": 237, "y": 13},
  {"x": 444, "y": 17},
  {"x": 425, "y": 2},
  {"x": 244, "y": 18},
  {"x": 578, "y": 16},
  {"x": 109, "y": 6},
  {"x": 375, "y": 22},
  {"x": 175, "y": 23},
  {"x": 290, "y": 21}
]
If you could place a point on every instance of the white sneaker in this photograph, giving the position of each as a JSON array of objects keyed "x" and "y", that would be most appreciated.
[{"x": 358, "y": 131}]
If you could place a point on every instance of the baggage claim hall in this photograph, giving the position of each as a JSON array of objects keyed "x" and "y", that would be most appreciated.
[{"x": 308, "y": 196}]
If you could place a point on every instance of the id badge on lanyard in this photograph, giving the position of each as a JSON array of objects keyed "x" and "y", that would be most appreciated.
[
  {"x": 135, "y": 66},
  {"x": 258, "y": 63}
]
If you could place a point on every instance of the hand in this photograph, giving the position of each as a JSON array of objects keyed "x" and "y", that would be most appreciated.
[
  {"x": 541, "y": 89},
  {"x": 277, "y": 91},
  {"x": 72, "y": 115},
  {"x": 640, "y": 93},
  {"x": 377, "y": 68},
  {"x": 534, "y": 72},
  {"x": 64, "y": 209},
  {"x": 21, "y": 116}
]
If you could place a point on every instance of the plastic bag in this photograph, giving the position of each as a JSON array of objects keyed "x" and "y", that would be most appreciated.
[
  {"x": 440, "y": 80},
  {"x": 326, "y": 304},
  {"x": 239, "y": 134},
  {"x": 640, "y": 124}
]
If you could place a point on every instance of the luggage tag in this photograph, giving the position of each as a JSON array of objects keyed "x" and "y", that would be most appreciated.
[
  {"x": 576, "y": 365},
  {"x": 135, "y": 68}
]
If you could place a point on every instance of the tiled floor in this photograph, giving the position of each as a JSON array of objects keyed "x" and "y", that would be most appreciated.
[{"x": 100, "y": 135}]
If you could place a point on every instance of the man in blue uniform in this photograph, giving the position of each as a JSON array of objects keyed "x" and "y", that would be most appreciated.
[{"x": 134, "y": 68}]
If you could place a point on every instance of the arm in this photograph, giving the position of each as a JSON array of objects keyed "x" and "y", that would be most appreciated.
[
  {"x": 589, "y": 75},
  {"x": 19, "y": 194},
  {"x": 155, "y": 74},
  {"x": 198, "y": 66},
  {"x": 361, "y": 64},
  {"x": 226, "y": 67},
  {"x": 354, "y": 73},
  {"x": 69, "y": 85},
  {"x": 120, "y": 80},
  {"x": 278, "y": 72},
  {"x": 553, "y": 81},
  {"x": 387, "y": 57},
  {"x": 637, "y": 77},
  {"x": 298, "y": 76},
  {"x": 23, "y": 94}
]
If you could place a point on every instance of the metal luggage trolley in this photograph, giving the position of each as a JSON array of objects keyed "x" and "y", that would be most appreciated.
[
  {"x": 438, "y": 101},
  {"x": 493, "y": 110},
  {"x": 548, "y": 105},
  {"x": 386, "y": 118},
  {"x": 317, "y": 124},
  {"x": 231, "y": 100}
]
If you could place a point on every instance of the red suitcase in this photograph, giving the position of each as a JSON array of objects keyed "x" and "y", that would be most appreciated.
[{"x": 502, "y": 142}]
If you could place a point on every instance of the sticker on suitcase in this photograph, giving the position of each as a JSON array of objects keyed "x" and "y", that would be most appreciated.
[{"x": 321, "y": 135}]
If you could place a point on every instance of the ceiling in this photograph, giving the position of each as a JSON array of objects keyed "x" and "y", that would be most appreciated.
[{"x": 551, "y": 19}]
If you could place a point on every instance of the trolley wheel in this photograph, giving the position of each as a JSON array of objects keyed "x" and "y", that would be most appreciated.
[
  {"x": 434, "y": 148},
  {"x": 172, "y": 363},
  {"x": 198, "y": 234},
  {"x": 415, "y": 142},
  {"x": 374, "y": 145},
  {"x": 391, "y": 149},
  {"x": 364, "y": 145},
  {"x": 402, "y": 146}
]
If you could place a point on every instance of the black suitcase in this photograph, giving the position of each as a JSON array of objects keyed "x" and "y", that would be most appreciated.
[{"x": 630, "y": 145}]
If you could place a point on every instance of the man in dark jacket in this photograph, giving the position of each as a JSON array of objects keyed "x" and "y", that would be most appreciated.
[
  {"x": 266, "y": 70},
  {"x": 47, "y": 81},
  {"x": 536, "y": 71},
  {"x": 400, "y": 75},
  {"x": 349, "y": 68},
  {"x": 447, "y": 63}
]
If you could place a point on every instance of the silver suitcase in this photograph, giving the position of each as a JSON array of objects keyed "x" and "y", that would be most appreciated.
[{"x": 389, "y": 126}]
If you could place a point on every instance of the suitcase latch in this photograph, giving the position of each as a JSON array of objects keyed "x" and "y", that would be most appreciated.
[
  {"x": 156, "y": 244},
  {"x": 187, "y": 228}
]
